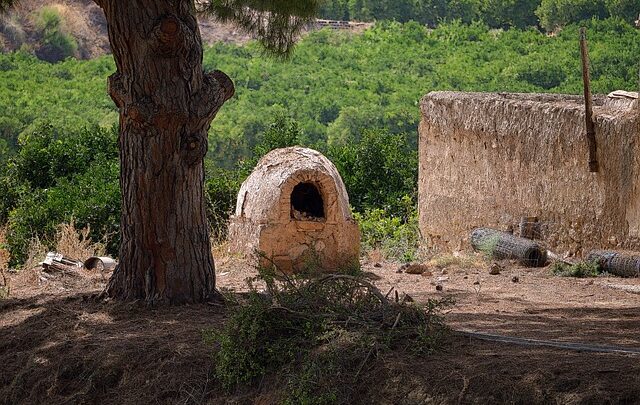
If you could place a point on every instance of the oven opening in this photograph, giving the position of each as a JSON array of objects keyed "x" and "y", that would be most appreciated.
[{"x": 306, "y": 203}]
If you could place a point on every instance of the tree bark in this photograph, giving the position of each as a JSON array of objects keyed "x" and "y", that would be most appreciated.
[{"x": 166, "y": 105}]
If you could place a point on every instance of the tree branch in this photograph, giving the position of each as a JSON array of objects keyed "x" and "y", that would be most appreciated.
[{"x": 276, "y": 23}]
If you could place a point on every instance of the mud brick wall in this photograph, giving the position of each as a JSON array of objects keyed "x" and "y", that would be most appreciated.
[{"x": 490, "y": 159}]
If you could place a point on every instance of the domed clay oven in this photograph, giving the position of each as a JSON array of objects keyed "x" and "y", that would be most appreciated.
[{"x": 294, "y": 208}]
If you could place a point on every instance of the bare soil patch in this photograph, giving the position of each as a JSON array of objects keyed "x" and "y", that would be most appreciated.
[{"x": 58, "y": 344}]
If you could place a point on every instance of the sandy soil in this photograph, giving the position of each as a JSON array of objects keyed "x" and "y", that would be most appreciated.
[{"x": 58, "y": 344}]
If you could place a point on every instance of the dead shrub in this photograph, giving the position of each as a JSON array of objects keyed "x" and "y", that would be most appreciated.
[
  {"x": 76, "y": 243},
  {"x": 4, "y": 252},
  {"x": 4, "y": 264},
  {"x": 36, "y": 252},
  {"x": 322, "y": 335},
  {"x": 443, "y": 261},
  {"x": 12, "y": 31},
  {"x": 71, "y": 242}
]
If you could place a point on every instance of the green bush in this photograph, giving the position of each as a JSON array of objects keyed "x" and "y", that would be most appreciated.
[
  {"x": 56, "y": 45},
  {"x": 556, "y": 14},
  {"x": 579, "y": 270},
  {"x": 398, "y": 237},
  {"x": 89, "y": 199},
  {"x": 378, "y": 171},
  {"x": 627, "y": 10},
  {"x": 281, "y": 133},
  {"x": 510, "y": 13},
  {"x": 61, "y": 177},
  {"x": 221, "y": 191},
  {"x": 47, "y": 154},
  {"x": 10, "y": 127},
  {"x": 542, "y": 74}
]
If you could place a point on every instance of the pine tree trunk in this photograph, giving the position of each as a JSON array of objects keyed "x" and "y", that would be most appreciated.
[{"x": 166, "y": 105}]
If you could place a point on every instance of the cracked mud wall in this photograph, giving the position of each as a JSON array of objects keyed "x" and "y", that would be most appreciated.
[{"x": 490, "y": 159}]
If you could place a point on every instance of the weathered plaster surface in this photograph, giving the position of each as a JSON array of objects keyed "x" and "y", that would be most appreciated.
[
  {"x": 262, "y": 220},
  {"x": 490, "y": 159}
]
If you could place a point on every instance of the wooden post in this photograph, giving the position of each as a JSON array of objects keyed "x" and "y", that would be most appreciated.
[{"x": 588, "y": 103}]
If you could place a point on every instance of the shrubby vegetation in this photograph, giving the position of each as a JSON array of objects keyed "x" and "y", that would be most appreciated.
[
  {"x": 556, "y": 14},
  {"x": 579, "y": 269},
  {"x": 336, "y": 85},
  {"x": 61, "y": 177},
  {"x": 69, "y": 95},
  {"x": 497, "y": 13},
  {"x": 56, "y": 44},
  {"x": 396, "y": 237},
  {"x": 353, "y": 97},
  {"x": 549, "y": 14}
]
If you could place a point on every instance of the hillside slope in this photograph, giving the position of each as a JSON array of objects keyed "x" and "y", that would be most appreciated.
[{"x": 55, "y": 29}]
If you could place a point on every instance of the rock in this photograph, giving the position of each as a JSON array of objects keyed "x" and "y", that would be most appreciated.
[
  {"x": 377, "y": 265},
  {"x": 444, "y": 271},
  {"x": 416, "y": 269},
  {"x": 441, "y": 279},
  {"x": 476, "y": 282},
  {"x": 495, "y": 269},
  {"x": 439, "y": 287},
  {"x": 402, "y": 268},
  {"x": 515, "y": 279},
  {"x": 407, "y": 298},
  {"x": 465, "y": 277}
]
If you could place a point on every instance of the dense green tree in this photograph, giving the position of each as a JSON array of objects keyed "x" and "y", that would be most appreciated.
[
  {"x": 628, "y": 10},
  {"x": 378, "y": 170},
  {"x": 555, "y": 14},
  {"x": 510, "y": 13}
]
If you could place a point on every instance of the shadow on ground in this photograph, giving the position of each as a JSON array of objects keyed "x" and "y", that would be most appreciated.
[{"x": 75, "y": 349}]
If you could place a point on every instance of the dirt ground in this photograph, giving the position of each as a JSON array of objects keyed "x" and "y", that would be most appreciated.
[{"x": 59, "y": 344}]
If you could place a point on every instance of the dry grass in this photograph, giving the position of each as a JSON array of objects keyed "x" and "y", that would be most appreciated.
[
  {"x": 375, "y": 256},
  {"x": 35, "y": 253},
  {"x": 71, "y": 242},
  {"x": 4, "y": 252},
  {"x": 4, "y": 264},
  {"x": 446, "y": 260},
  {"x": 76, "y": 243},
  {"x": 11, "y": 31}
]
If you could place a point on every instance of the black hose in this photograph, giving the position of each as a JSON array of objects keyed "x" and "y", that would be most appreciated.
[{"x": 582, "y": 347}]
